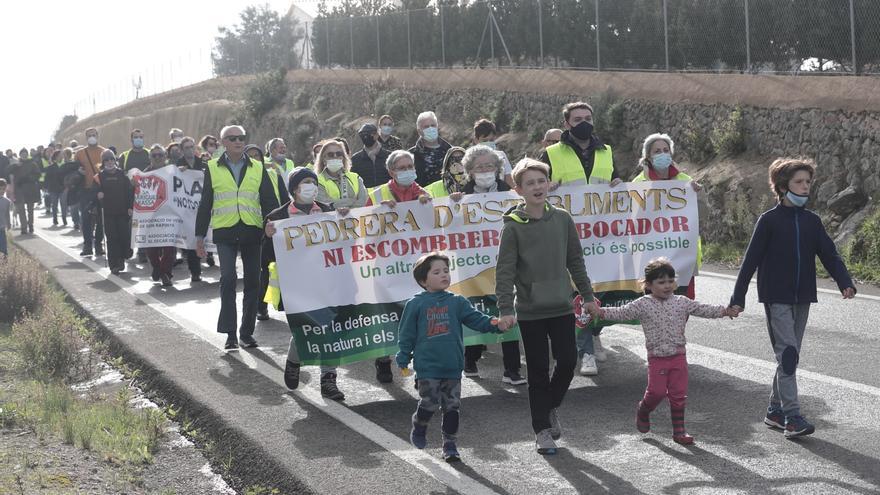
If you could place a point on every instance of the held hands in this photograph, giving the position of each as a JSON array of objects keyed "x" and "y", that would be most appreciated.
[
  {"x": 848, "y": 293},
  {"x": 592, "y": 307},
  {"x": 732, "y": 312},
  {"x": 505, "y": 322},
  {"x": 270, "y": 229}
]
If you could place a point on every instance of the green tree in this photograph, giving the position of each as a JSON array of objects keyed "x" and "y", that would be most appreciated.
[{"x": 262, "y": 41}]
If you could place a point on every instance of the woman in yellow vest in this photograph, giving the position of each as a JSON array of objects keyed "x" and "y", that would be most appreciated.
[
  {"x": 452, "y": 177},
  {"x": 657, "y": 163},
  {"x": 337, "y": 184}
]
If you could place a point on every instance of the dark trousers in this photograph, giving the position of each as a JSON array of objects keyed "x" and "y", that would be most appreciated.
[
  {"x": 162, "y": 258},
  {"x": 250, "y": 259},
  {"x": 91, "y": 221},
  {"x": 118, "y": 229},
  {"x": 193, "y": 262},
  {"x": 25, "y": 216},
  {"x": 52, "y": 205},
  {"x": 509, "y": 354},
  {"x": 539, "y": 337}
]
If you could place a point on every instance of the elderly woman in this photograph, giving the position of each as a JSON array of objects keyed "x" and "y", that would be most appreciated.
[
  {"x": 402, "y": 186},
  {"x": 483, "y": 167},
  {"x": 656, "y": 162},
  {"x": 452, "y": 178},
  {"x": 338, "y": 186}
]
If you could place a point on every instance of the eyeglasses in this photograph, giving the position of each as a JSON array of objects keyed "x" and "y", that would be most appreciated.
[
  {"x": 334, "y": 154},
  {"x": 242, "y": 138},
  {"x": 157, "y": 155}
]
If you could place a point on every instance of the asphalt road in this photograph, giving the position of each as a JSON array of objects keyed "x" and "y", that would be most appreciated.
[{"x": 361, "y": 446}]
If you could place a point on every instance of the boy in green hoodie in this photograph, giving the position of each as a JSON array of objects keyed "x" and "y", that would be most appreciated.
[
  {"x": 540, "y": 254},
  {"x": 430, "y": 330}
]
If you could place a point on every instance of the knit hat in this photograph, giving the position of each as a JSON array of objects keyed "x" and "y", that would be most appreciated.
[
  {"x": 107, "y": 154},
  {"x": 367, "y": 129},
  {"x": 298, "y": 175}
]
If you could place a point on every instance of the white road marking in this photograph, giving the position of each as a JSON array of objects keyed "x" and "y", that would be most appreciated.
[
  {"x": 430, "y": 465},
  {"x": 819, "y": 289}
]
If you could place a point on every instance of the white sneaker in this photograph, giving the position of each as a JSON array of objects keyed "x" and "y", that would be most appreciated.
[
  {"x": 588, "y": 365},
  {"x": 599, "y": 350}
]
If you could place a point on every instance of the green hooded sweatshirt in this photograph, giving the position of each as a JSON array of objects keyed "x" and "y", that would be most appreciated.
[{"x": 540, "y": 257}]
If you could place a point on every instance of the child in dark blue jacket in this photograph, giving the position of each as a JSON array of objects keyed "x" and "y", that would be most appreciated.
[
  {"x": 430, "y": 330},
  {"x": 783, "y": 249}
]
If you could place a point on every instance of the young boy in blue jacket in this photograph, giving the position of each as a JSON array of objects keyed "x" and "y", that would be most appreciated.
[
  {"x": 430, "y": 330},
  {"x": 783, "y": 249}
]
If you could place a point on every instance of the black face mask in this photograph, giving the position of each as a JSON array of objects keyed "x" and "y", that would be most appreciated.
[
  {"x": 368, "y": 140},
  {"x": 582, "y": 131}
]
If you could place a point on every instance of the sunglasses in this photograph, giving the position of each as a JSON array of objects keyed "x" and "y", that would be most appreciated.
[
  {"x": 334, "y": 154},
  {"x": 242, "y": 138}
]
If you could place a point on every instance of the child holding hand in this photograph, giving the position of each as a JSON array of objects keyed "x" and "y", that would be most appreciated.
[
  {"x": 664, "y": 316},
  {"x": 431, "y": 332}
]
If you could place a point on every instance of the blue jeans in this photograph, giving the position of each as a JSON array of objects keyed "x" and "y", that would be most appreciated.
[
  {"x": 584, "y": 341},
  {"x": 250, "y": 259}
]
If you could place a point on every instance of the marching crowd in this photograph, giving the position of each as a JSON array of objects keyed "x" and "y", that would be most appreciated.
[{"x": 247, "y": 187}]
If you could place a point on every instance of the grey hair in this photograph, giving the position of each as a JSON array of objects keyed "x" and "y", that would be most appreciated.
[
  {"x": 650, "y": 140},
  {"x": 173, "y": 131},
  {"x": 229, "y": 128},
  {"x": 397, "y": 155},
  {"x": 425, "y": 116},
  {"x": 271, "y": 144},
  {"x": 159, "y": 147},
  {"x": 476, "y": 151}
]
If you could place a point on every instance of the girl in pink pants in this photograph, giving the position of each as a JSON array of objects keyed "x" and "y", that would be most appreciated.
[{"x": 664, "y": 316}]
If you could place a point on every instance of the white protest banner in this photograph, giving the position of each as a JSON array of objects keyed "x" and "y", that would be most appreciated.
[
  {"x": 344, "y": 280},
  {"x": 165, "y": 205}
]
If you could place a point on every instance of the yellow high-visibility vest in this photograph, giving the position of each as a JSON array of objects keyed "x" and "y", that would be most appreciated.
[
  {"x": 382, "y": 193},
  {"x": 273, "y": 178},
  {"x": 332, "y": 189},
  {"x": 233, "y": 203},
  {"x": 566, "y": 166},
  {"x": 437, "y": 189},
  {"x": 273, "y": 291}
]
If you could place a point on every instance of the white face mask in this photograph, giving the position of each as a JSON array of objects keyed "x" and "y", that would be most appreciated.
[
  {"x": 334, "y": 165},
  {"x": 484, "y": 179},
  {"x": 307, "y": 192},
  {"x": 92, "y": 140},
  {"x": 406, "y": 177}
]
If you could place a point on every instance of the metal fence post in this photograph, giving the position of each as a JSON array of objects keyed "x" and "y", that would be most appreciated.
[
  {"x": 327, "y": 33},
  {"x": 666, "y": 35},
  {"x": 540, "y": 34},
  {"x": 351, "y": 41},
  {"x": 378, "y": 45},
  {"x": 408, "y": 41},
  {"x": 598, "y": 51},
  {"x": 748, "y": 38},
  {"x": 442, "y": 36},
  {"x": 852, "y": 36}
]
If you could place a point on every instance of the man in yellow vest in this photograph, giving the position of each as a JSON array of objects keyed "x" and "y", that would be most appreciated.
[
  {"x": 276, "y": 154},
  {"x": 236, "y": 197},
  {"x": 580, "y": 157}
]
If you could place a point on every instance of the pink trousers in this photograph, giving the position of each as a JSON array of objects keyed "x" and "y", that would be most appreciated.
[{"x": 667, "y": 377}]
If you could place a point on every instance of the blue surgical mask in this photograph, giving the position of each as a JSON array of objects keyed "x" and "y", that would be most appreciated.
[
  {"x": 430, "y": 133},
  {"x": 406, "y": 177},
  {"x": 137, "y": 142},
  {"x": 490, "y": 144},
  {"x": 661, "y": 162},
  {"x": 797, "y": 199},
  {"x": 387, "y": 130}
]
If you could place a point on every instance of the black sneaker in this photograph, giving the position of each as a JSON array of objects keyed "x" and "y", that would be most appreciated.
[
  {"x": 114, "y": 271},
  {"x": 513, "y": 378},
  {"x": 210, "y": 260},
  {"x": 248, "y": 342},
  {"x": 85, "y": 253},
  {"x": 383, "y": 371},
  {"x": 291, "y": 375},
  {"x": 450, "y": 452},
  {"x": 195, "y": 278},
  {"x": 262, "y": 316},
  {"x": 329, "y": 389},
  {"x": 166, "y": 281},
  {"x": 797, "y": 426},
  {"x": 471, "y": 370},
  {"x": 231, "y": 342}
]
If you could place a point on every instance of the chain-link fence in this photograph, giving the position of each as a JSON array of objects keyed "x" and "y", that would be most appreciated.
[
  {"x": 750, "y": 36},
  {"x": 723, "y": 36}
]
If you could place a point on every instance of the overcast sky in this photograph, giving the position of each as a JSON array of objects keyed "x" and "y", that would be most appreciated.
[{"x": 57, "y": 54}]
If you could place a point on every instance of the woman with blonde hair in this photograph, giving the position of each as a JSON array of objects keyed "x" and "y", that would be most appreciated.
[{"x": 338, "y": 186}]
